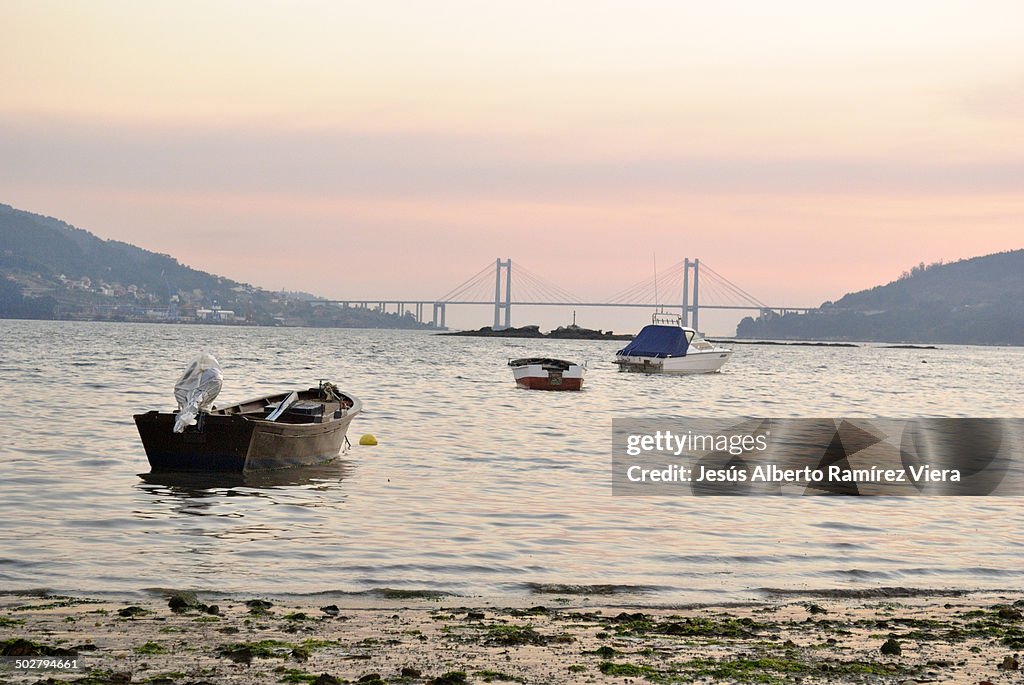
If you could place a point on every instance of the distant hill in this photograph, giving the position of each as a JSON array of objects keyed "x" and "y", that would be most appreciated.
[
  {"x": 972, "y": 301},
  {"x": 50, "y": 269}
]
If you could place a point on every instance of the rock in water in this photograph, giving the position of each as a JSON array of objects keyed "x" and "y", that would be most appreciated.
[
  {"x": 131, "y": 612},
  {"x": 258, "y": 606},
  {"x": 326, "y": 679},
  {"x": 1009, "y": 614},
  {"x": 891, "y": 647},
  {"x": 180, "y": 602}
]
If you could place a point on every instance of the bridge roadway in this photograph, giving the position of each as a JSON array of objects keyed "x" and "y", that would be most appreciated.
[
  {"x": 364, "y": 302},
  {"x": 439, "y": 306}
]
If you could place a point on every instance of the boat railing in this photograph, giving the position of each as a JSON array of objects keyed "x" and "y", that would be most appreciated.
[{"x": 666, "y": 319}]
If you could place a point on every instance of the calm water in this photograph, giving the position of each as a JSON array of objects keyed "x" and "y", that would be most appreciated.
[{"x": 476, "y": 487}]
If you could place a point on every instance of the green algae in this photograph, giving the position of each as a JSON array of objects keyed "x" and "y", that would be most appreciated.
[
  {"x": 747, "y": 670},
  {"x": 151, "y": 648},
  {"x": 766, "y": 669},
  {"x": 61, "y": 603},
  {"x": 722, "y": 626},
  {"x": 627, "y": 670},
  {"x": 449, "y": 678},
  {"x": 265, "y": 649},
  {"x": 513, "y": 635},
  {"x": 298, "y": 616}
]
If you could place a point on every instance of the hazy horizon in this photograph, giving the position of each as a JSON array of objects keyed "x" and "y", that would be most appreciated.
[{"x": 351, "y": 151}]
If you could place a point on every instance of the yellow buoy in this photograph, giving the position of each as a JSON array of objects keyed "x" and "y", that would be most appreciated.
[{"x": 368, "y": 439}]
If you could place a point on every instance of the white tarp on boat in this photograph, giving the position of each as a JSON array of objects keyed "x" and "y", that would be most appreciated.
[{"x": 196, "y": 389}]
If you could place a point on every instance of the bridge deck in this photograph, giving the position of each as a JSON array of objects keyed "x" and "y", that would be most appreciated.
[{"x": 565, "y": 304}]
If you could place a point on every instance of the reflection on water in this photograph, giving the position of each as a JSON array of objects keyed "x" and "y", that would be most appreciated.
[
  {"x": 199, "y": 485},
  {"x": 475, "y": 487},
  {"x": 206, "y": 494}
]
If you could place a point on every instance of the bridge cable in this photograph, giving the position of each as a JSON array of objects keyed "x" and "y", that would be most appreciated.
[
  {"x": 743, "y": 293},
  {"x": 555, "y": 292},
  {"x": 471, "y": 282},
  {"x": 636, "y": 293}
]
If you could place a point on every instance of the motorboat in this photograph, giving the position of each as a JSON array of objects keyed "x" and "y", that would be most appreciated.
[
  {"x": 666, "y": 346},
  {"x": 300, "y": 428},
  {"x": 545, "y": 373}
]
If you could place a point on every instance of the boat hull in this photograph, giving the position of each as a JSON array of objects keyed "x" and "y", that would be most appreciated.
[
  {"x": 546, "y": 383},
  {"x": 701, "y": 362},
  {"x": 239, "y": 439}
]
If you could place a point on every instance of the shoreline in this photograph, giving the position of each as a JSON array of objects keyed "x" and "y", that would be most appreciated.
[
  {"x": 577, "y": 595},
  {"x": 807, "y": 636}
]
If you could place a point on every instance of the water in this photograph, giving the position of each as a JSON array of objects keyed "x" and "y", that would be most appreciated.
[{"x": 476, "y": 487}]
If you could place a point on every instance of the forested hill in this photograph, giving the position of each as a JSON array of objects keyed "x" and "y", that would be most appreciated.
[
  {"x": 35, "y": 244},
  {"x": 972, "y": 301},
  {"x": 50, "y": 269}
]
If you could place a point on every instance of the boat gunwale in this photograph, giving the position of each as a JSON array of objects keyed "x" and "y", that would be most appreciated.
[
  {"x": 562, "y": 364},
  {"x": 267, "y": 400}
]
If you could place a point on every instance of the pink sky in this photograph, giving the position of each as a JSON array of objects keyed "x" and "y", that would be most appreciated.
[{"x": 802, "y": 149}]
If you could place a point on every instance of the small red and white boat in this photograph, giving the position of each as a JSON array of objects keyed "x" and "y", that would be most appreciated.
[{"x": 543, "y": 373}]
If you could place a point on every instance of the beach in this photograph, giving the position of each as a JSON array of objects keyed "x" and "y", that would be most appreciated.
[{"x": 886, "y": 635}]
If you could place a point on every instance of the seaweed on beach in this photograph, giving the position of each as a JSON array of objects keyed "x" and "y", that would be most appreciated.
[
  {"x": 513, "y": 635},
  {"x": 245, "y": 652},
  {"x": 716, "y": 626},
  {"x": 58, "y": 602},
  {"x": 748, "y": 669},
  {"x": 21, "y": 647}
]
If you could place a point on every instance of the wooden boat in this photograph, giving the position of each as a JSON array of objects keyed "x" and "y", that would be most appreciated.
[
  {"x": 544, "y": 373},
  {"x": 278, "y": 431}
]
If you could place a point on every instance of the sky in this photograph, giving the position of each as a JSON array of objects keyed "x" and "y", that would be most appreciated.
[{"x": 394, "y": 149}]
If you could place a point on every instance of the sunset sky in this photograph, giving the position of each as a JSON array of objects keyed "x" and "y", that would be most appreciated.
[{"x": 386, "y": 149}]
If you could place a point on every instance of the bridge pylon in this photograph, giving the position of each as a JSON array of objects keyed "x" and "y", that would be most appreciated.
[
  {"x": 499, "y": 303},
  {"x": 696, "y": 293},
  {"x": 686, "y": 291},
  {"x": 687, "y": 307}
]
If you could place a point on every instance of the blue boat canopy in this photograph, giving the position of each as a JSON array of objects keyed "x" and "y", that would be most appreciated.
[{"x": 657, "y": 341}]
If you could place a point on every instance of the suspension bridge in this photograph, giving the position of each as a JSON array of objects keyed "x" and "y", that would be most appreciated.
[{"x": 690, "y": 286}]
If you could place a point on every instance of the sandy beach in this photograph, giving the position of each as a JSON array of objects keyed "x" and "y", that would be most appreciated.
[{"x": 884, "y": 636}]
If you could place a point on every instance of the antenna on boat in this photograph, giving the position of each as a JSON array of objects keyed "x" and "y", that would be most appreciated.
[{"x": 656, "y": 304}]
